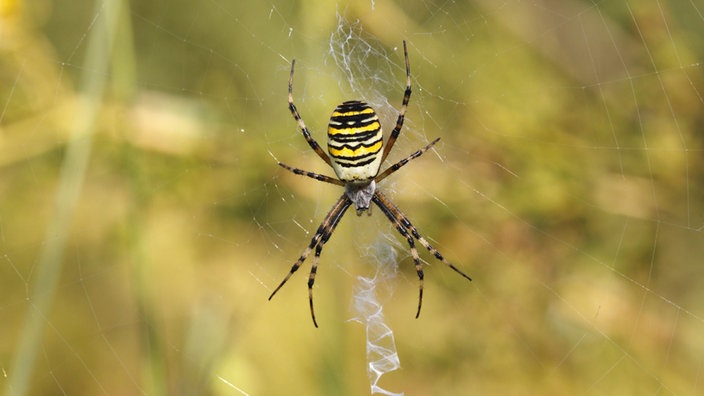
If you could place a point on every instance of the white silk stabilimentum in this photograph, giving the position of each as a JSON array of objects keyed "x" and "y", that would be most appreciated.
[{"x": 368, "y": 310}]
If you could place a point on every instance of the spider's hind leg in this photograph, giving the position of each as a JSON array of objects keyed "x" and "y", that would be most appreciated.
[{"x": 301, "y": 124}]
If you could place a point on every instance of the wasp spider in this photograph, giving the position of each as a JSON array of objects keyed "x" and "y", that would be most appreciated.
[{"x": 355, "y": 154}]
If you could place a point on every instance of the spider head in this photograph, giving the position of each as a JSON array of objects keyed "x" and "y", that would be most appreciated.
[{"x": 361, "y": 195}]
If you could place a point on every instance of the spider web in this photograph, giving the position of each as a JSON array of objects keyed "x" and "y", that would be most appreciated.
[{"x": 143, "y": 222}]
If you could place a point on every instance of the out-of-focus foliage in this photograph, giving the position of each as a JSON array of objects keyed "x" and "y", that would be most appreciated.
[{"x": 568, "y": 184}]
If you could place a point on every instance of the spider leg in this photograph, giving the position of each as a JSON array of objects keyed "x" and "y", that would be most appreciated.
[
  {"x": 393, "y": 168},
  {"x": 407, "y": 224},
  {"x": 402, "y": 112},
  {"x": 312, "y": 175},
  {"x": 318, "y": 249},
  {"x": 403, "y": 225},
  {"x": 389, "y": 212},
  {"x": 321, "y": 236},
  {"x": 311, "y": 280},
  {"x": 302, "y": 125}
]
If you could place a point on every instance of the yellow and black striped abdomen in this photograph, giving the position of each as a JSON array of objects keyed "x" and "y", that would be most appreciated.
[{"x": 355, "y": 140}]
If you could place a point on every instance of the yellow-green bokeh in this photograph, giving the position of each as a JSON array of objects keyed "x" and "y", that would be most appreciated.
[{"x": 568, "y": 184}]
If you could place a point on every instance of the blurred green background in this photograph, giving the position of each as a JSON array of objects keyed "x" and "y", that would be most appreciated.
[{"x": 144, "y": 221}]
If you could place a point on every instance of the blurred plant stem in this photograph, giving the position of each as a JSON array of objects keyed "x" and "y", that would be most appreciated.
[{"x": 89, "y": 103}]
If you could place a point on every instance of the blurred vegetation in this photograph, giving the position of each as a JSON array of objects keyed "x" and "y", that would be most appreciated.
[{"x": 568, "y": 184}]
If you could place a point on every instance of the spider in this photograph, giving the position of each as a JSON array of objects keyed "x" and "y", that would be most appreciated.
[{"x": 355, "y": 143}]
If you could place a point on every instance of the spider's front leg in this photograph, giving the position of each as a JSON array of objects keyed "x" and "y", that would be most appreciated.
[
  {"x": 321, "y": 236},
  {"x": 408, "y": 231},
  {"x": 389, "y": 212}
]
